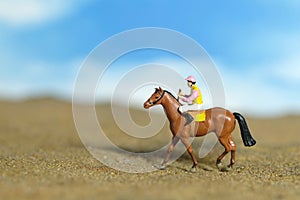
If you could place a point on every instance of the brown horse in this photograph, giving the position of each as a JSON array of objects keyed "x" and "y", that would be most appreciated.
[{"x": 218, "y": 120}]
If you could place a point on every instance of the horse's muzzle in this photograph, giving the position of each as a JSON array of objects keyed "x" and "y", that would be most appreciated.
[{"x": 148, "y": 104}]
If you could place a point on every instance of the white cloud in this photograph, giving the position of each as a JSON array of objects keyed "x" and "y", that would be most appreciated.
[
  {"x": 39, "y": 78},
  {"x": 265, "y": 90},
  {"x": 288, "y": 70},
  {"x": 256, "y": 91},
  {"x": 19, "y": 12}
]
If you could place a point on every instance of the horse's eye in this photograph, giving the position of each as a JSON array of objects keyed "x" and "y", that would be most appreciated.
[{"x": 156, "y": 97}]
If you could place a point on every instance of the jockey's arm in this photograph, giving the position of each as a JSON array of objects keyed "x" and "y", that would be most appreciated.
[{"x": 191, "y": 97}]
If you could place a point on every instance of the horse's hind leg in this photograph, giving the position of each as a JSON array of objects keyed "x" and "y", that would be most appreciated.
[
  {"x": 219, "y": 160},
  {"x": 232, "y": 150},
  {"x": 232, "y": 160},
  {"x": 229, "y": 146}
]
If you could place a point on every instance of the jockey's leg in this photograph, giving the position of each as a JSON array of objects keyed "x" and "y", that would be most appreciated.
[
  {"x": 196, "y": 107},
  {"x": 183, "y": 108}
]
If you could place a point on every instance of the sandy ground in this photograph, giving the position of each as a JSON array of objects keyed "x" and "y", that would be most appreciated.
[{"x": 42, "y": 157}]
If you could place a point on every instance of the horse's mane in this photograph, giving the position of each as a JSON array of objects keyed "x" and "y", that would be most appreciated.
[{"x": 172, "y": 96}]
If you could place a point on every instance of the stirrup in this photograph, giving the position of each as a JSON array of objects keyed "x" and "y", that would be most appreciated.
[{"x": 188, "y": 118}]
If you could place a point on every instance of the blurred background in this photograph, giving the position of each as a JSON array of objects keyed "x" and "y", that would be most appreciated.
[{"x": 255, "y": 45}]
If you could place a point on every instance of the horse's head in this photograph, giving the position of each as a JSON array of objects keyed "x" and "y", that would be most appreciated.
[{"x": 155, "y": 98}]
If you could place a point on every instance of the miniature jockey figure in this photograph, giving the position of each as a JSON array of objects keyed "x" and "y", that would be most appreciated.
[{"x": 194, "y": 100}]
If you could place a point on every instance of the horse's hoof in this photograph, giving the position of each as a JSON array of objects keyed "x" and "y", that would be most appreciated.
[
  {"x": 193, "y": 169},
  {"x": 162, "y": 167},
  {"x": 220, "y": 166},
  {"x": 226, "y": 169}
]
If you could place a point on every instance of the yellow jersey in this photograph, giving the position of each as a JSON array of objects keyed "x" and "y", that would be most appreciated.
[{"x": 199, "y": 99}]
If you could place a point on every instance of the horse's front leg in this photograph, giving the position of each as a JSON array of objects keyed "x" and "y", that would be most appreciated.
[
  {"x": 171, "y": 148},
  {"x": 189, "y": 148}
]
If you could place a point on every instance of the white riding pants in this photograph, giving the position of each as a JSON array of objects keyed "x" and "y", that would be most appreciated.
[{"x": 190, "y": 107}]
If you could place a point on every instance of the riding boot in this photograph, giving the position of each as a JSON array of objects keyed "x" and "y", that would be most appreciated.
[{"x": 188, "y": 118}]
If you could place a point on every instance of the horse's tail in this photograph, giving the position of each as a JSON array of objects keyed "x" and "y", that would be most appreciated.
[{"x": 245, "y": 132}]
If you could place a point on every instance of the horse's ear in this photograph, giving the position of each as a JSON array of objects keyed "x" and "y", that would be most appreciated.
[
  {"x": 160, "y": 90},
  {"x": 156, "y": 89}
]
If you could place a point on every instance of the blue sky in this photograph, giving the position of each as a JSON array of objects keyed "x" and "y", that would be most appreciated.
[{"x": 255, "y": 44}]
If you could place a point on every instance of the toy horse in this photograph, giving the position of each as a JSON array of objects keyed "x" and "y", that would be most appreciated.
[{"x": 218, "y": 120}]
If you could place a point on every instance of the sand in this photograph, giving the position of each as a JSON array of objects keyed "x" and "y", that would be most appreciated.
[{"x": 42, "y": 157}]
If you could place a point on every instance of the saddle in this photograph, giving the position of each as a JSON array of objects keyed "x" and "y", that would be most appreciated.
[
  {"x": 194, "y": 115},
  {"x": 198, "y": 115}
]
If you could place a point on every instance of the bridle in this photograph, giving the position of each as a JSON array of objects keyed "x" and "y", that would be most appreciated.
[{"x": 157, "y": 100}]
